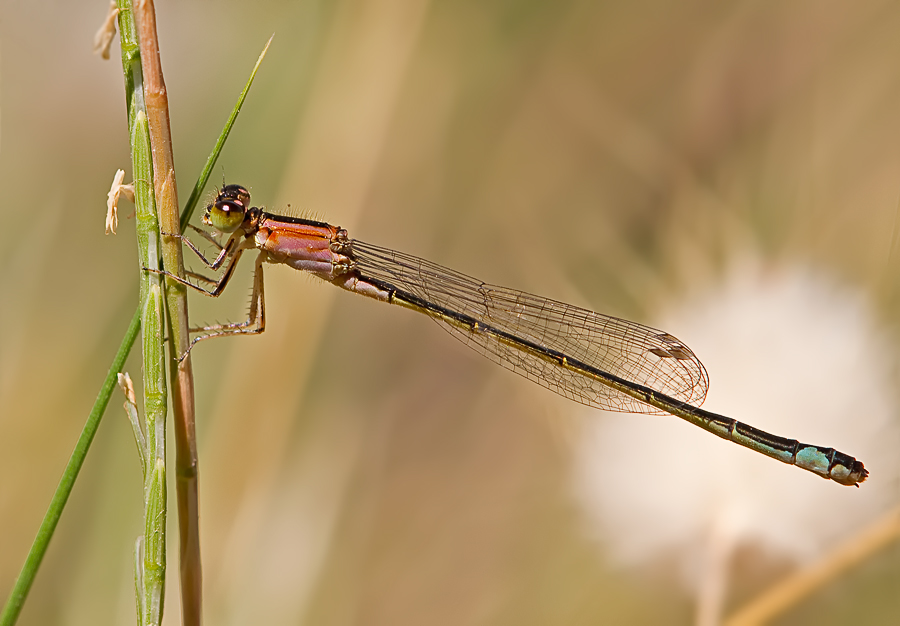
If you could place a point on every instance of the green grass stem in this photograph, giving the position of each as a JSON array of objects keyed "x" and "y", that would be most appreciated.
[{"x": 22, "y": 586}]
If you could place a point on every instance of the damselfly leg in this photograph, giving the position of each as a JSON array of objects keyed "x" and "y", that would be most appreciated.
[
  {"x": 222, "y": 253},
  {"x": 256, "y": 319}
]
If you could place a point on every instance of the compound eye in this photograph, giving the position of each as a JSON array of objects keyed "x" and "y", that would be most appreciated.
[
  {"x": 238, "y": 193},
  {"x": 225, "y": 215}
]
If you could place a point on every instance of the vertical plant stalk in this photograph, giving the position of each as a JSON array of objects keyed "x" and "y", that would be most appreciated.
[
  {"x": 150, "y": 570},
  {"x": 16, "y": 599},
  {"x": 154, "y": 553},
  {"x": 182, "y": 379}
]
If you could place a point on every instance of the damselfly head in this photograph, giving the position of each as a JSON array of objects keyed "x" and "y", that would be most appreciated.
[{"x": 227, "y": 213}]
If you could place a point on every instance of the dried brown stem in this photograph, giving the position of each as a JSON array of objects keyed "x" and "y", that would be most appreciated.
[
  {"x": 796, "y": 588},
  {"x": 181, "y": 374}
]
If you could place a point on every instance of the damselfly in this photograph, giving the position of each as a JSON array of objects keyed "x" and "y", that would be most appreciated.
[{"x": 594, "y": 359}]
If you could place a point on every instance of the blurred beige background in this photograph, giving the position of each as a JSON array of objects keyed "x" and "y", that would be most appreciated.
[{"x": 358, "y": 466}]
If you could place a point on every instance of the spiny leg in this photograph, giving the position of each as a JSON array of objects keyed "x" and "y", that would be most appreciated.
[
  {"x": 256, "y": 320},
  {"x": 206, "y": 235},
  {"x": 224, "y": 251},
  {"x": 200, "y": 277},
  {"x": 220, "y": 284}
]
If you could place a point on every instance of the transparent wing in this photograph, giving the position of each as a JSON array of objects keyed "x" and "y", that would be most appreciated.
[{"x": 631, "y": 351}]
